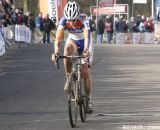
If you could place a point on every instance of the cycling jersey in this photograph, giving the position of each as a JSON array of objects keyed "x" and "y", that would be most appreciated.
[{"x": 76, "y": 29}]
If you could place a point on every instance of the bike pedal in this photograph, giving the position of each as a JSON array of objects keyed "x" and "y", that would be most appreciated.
[
  {"x": 79, "y": 100},
  {"x": 75, "y": 77}
]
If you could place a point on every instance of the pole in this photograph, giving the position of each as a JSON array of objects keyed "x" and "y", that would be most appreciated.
[
  {"x": 152, "y": 8},
  {"x": 30, "y": 6},
  {"x": 91, "y": 13},
  {"x": 97, "y": 15},
  {"x": 132, "y": 8},
  {"x": 25, "y": 6},
  {"x": 114, "y": 24},
  {"x": 97, "y": 12}
]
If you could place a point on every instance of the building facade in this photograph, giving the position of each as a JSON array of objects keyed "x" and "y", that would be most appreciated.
[{"x": 53, "y": 7}]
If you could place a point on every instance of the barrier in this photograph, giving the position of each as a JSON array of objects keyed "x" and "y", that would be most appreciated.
[
  {"x": 135, "y": 38},
  {"x": 120, "y": 38},
  {"x": 9, "y": 32},
  {"x": 22, "y": 34},
  {"x": 157, "y": 32},
  {"x": 2, "y": 45}
]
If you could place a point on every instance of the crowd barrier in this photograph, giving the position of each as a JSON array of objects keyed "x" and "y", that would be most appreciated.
[
  {"x": 140, "y": 38},
  {"x": 2, "y": 45},
  {"x": 135, "y": 38},
  {"x": 14, "y": 34},
  {"x": 21, "y": 33}
]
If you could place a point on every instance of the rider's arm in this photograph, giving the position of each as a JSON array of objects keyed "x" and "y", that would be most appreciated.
[
  {"x": 58, "y": 40},
  {"x": 86, "y": 39},
  {"x": 86, "y": 31}
]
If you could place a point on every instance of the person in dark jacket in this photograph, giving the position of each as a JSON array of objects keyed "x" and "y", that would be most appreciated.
[
  {"x": 47, "y": 26},
  {"x": 100, "y": 30}
]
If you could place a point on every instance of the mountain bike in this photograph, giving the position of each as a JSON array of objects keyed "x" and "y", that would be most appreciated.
[{"x": 77, "y": 100}]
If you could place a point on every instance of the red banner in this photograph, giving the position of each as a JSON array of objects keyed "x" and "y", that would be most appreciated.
[
  {"x": 106, "y": 3},
  {"x": 109, "y": 10}
]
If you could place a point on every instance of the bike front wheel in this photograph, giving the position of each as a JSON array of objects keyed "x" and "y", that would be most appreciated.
[{"x": 72, "y": 101}]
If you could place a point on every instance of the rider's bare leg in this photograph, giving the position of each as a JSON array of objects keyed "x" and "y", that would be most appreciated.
[
  {"x": 88, "y": 86},
  {"x": 69, "y": 49},
  {"x": 87, "y": 79}
]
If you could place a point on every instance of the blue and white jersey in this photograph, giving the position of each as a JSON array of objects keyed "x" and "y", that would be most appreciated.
[{"x": 75, "y": 28}]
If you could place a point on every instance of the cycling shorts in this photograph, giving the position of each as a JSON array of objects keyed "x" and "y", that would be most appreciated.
[{"x": 80, "y": 44}]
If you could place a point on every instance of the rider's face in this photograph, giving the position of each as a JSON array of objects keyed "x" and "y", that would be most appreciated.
[{"x": 72, "y": 22}]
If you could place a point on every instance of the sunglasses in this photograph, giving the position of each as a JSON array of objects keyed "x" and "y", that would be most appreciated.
[{"x": 72, "y": 20}]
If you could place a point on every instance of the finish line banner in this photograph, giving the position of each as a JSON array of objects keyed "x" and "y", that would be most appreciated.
[{"x": 2, "y": 45}]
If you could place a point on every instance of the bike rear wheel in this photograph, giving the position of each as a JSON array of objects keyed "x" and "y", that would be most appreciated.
[{"x": 72, "y": 101}]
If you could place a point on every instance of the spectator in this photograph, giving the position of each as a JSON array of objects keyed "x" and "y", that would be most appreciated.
[
  {"x": 158, "y": 15},
  {"x": 31, "y": 22},
  {"x": 25, "y": 18},
  {"x": 100, "y": 30},
  {"x": 47, "y": 25},
  {"x": 138, "y": 21},
  {"x": 109, "y": 28},
  {"x": 2, "y": 11},
  {"x": 125, "y": 25},
  {"x": 38, "y": 21},
  {"x": 14, "y": 17},
  {"x": 147, "y": 25},
  {"x": 120, "y": 24},
  {"x": 116, "y": 24},
  {"x": 7, "y": 6},
  {"x": 152, "y": 24},
  {"x": 20, "y": 18},
  {"x": 92, "y": 25},
  {"x": 31, "y": 25},
  {"x": 132, "y": 25},
  {"x": 142, "y": 27},
  {"x": 7, "y": 20}
]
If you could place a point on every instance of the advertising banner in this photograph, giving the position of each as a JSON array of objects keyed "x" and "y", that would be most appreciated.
[
  {"x": 52, "y": 9},
  {"x": 140, "y": 1}
]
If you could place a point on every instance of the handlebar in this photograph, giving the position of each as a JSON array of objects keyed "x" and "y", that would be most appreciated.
[{"x": 72, "y": 57}]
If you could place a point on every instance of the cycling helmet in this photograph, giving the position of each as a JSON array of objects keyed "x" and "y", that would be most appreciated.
[{"x": 71, "y": 10}]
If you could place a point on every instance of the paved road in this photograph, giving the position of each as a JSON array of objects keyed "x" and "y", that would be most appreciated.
[{"x": 126, "y": 89}]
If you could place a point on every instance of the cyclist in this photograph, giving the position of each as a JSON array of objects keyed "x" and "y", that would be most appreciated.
[{"x": 77, "y": 24}]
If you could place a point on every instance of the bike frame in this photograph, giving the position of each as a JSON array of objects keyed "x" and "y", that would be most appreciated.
[{"x": 78, "y": 99}]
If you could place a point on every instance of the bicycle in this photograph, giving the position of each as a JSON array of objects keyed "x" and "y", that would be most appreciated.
[{"x": 77, "y": 99}]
